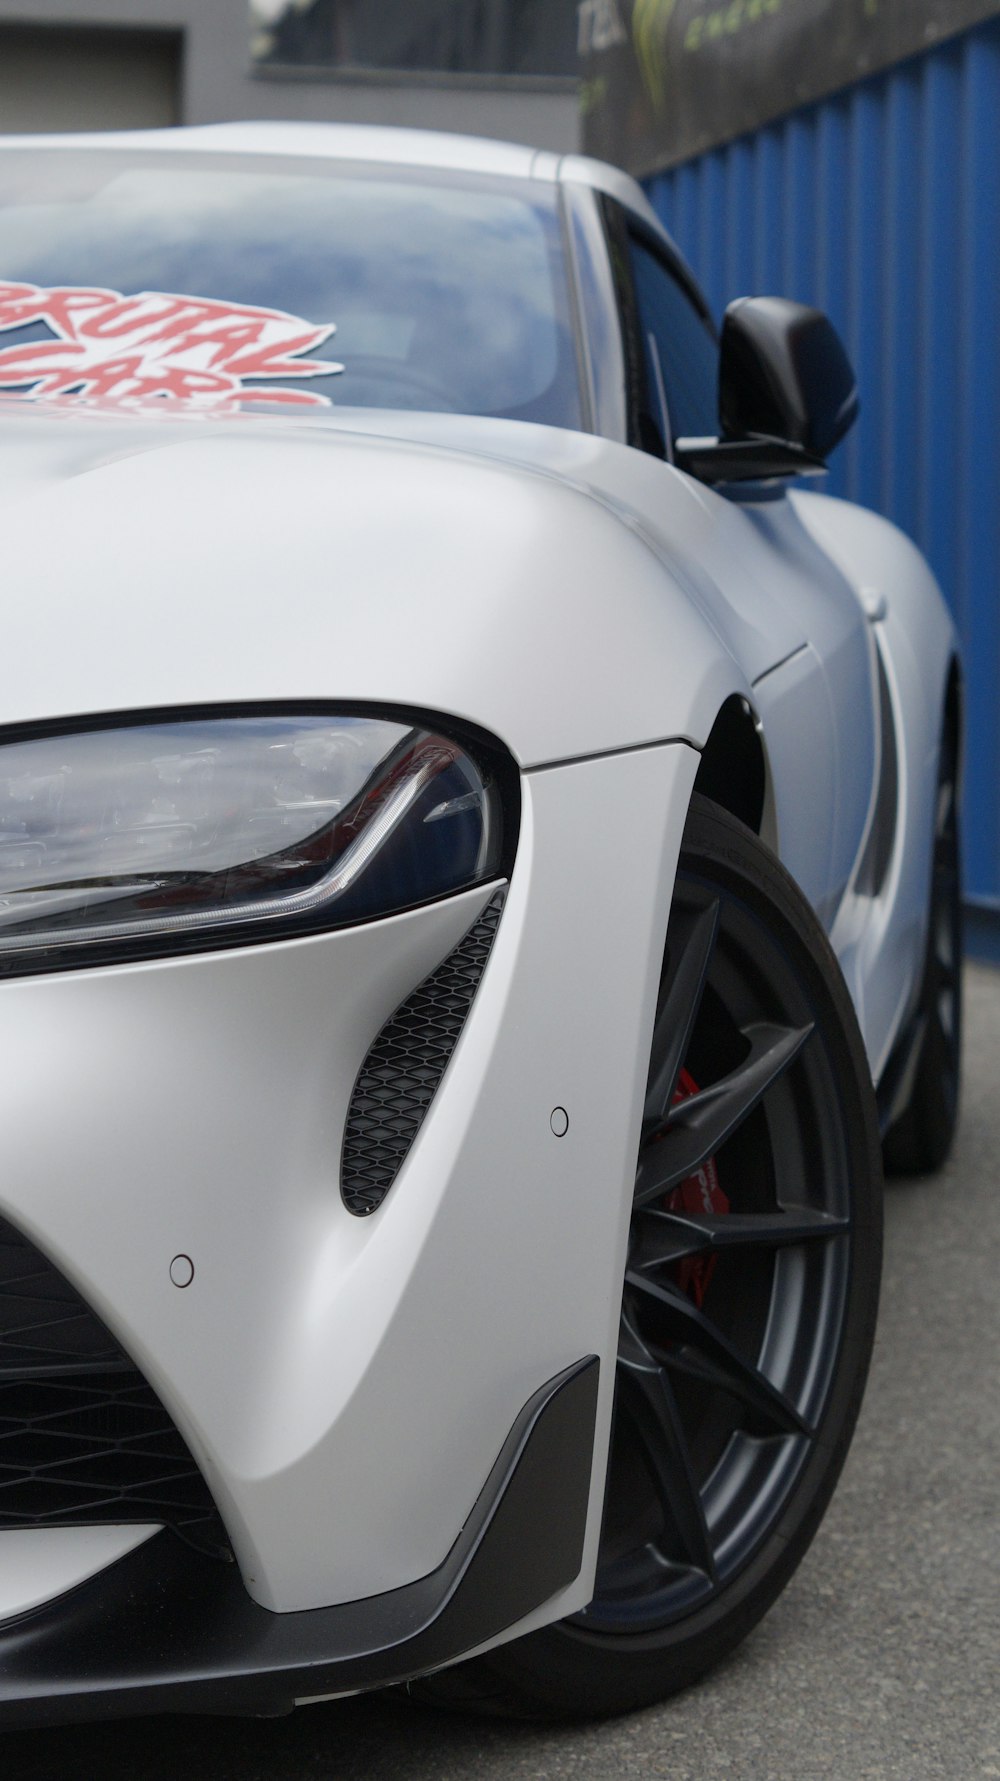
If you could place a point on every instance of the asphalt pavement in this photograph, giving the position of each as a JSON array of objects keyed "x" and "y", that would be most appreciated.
[{"x": 882, "y": 1660}]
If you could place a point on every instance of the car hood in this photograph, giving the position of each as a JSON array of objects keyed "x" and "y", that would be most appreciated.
[{"x": 498, "y": 572}]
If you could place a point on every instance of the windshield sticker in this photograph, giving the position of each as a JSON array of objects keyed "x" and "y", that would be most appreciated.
[{"x": 156, "y": 348}]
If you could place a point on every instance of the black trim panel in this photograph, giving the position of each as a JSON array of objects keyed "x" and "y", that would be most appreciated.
[
  {"x": 166, "y": 1630},
  {"x": 877, "y": 856}
]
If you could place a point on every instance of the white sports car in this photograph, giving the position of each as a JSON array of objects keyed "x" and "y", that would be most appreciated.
[{"x": 472, "y": 832}]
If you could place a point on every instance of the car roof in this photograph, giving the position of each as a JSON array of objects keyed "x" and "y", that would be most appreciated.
[{"x": 367, "y": 142}]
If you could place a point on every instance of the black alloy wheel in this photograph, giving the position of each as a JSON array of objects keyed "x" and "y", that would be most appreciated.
[
  {"x": 924, "y": 1076},
  {"x": 749, "y": 1298}
]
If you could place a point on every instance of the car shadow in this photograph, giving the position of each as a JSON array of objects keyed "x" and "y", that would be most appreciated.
[{"x": 378, "y": 1738}]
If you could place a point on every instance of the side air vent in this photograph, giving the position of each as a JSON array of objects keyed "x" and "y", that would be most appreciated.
[
  {"x": 399, "y": 1078},
  {"x": 83, "y": 1438},
  {"x": 874, "y": 866}
]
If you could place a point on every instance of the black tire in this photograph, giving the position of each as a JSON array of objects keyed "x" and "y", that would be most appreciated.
[
  {"x": 727, "y": 1442},
  {"x": 925, "y": 1073}
]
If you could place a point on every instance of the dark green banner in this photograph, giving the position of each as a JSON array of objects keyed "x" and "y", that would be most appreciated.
[
  {"x": 479, "y": 37},
  {"x": 667, "y": 79}
]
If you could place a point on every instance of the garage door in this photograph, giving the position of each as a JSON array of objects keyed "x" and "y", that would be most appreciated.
[{"x": 87, "y": 79}]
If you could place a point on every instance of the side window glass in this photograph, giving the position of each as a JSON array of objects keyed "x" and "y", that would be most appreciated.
[{"x": 679, "y": 347}]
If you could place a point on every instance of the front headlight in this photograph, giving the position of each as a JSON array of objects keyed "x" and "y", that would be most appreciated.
[{"x": 179, "y": 834}]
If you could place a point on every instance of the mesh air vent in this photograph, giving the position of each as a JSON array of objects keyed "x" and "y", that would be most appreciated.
[
  {"x": 83, "y": 1438},
  {"x": 44, "y": 1323},
  {"x": 400, "y": 1075}
]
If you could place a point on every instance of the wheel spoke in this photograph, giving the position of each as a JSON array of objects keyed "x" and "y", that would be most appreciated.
[
  {"x": 679, "y": 1012},
  {"x": 648, "y": 1397},
  {"x": 669, "y": 1237},
  {"x": 697, "y": 1127},
  {"x": 706, "y": 1353}
]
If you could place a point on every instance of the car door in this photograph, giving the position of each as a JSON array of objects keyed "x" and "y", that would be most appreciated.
[{"x": 811, "y": 664}]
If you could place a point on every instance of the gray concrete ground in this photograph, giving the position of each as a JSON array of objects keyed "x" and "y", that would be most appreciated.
[{"x": 882, "y": 1660}]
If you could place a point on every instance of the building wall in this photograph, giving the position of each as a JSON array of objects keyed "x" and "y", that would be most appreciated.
[
  {"x": 217, "y": 80},
  {"x": 88, "y": 80},
  {"x": 880, "y": 205}
]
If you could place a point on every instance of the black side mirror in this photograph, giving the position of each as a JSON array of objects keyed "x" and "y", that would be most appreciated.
[
  {"x": 787, "y": 394},
  {"x": 784, "y": 374}
]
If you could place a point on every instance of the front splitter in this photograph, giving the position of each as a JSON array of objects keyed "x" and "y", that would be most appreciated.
[{"x": 170, "y": 1630}]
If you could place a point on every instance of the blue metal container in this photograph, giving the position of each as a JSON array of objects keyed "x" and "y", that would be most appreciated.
[{"x": 881, "y": 205}]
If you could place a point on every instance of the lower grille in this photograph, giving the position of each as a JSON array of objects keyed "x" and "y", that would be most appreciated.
[
  {"x": 400, "y": 1076},
  {"x": 83, "y": 1438}
]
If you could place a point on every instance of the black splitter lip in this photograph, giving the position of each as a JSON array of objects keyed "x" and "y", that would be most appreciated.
[{"x": 167, "y": 1629}]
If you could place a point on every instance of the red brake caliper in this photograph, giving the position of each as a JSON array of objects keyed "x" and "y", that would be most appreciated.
[{"x": 699, "y": 1193}]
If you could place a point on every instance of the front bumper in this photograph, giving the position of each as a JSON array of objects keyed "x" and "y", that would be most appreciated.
[{"x": 346, "y": 1384}]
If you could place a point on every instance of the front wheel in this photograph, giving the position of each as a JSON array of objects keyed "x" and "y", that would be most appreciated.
[{"x": 749, "y": 1297}]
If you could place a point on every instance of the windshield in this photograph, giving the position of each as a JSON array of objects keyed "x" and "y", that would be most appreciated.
[{"x": 223, "y": 281}]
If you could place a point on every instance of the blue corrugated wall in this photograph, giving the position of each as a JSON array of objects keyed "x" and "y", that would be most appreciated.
[{"x": 882, "y": 206}]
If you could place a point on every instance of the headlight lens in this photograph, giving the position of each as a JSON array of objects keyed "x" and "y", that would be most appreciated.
[{"x": 181, "y": 834}]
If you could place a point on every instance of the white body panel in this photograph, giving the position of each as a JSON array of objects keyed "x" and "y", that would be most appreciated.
[
  {"x": 39, "y": 1563},
  {"x": 487, "y": 597},
  {"x": 319, "y": 1362},
  {"x": 342, "y": 142}
]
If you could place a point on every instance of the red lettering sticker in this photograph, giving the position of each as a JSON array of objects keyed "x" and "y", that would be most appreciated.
[{"x": 157, "y": 348}]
